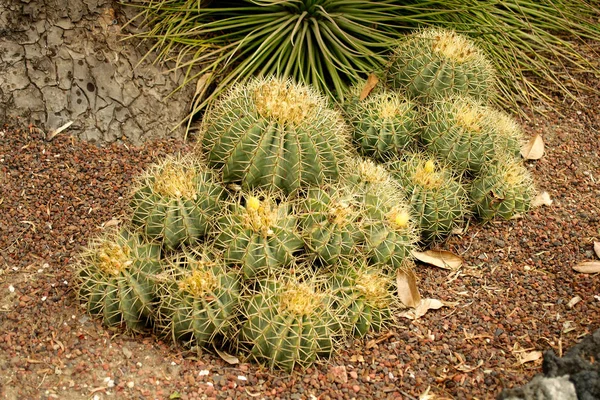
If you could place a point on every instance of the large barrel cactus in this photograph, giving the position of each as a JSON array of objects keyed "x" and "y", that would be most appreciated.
[
  {"x": 434, "y": 63},
  {"x": 176, "y": 201},
  {"x": 272, "y": 133},
  {"x": 117, "y": 279},
  {"x": 290, "y": 322},
  {"x": 330, "y": 221},
  {"x": 503, "y": 189},
  {"x": 383, "y": 125},
  {"x": 437, "y": 199},
  {"x": 198, "y": 297},
  {"x": 258, "y": 233},
  {"x": 468, "y": 134}
]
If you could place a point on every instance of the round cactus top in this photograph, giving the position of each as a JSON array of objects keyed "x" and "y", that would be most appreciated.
[
  {"x": 374, "y": 288},
  {"x": 299, "y": 299},
  {"x": 175, "y": 180},
  {"x": 391, "y": 107},
  {"x": 200, "y": 282},
  {"x": 399, "y": 217},
  {"x": 426, "y": 175},
  {"x": 339, "y": 213},
  {"x": 260, "y": 216},
  {"x": 451, "y": 45},
  {"x": 470, "y": 116},
  {"x": 513, "y": 172},
  {"x": 370, "y": 172},
  {"x": 284, "y": 101},
  {"x": 113, "y": 258}
]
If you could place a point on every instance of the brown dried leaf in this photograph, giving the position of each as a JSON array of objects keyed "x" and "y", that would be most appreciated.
[
  {"x": 424, "y": 306},
  {"x": 529, "y": 357},
  {"x": 542, "y": 199},
  {"x": 588, "y": 267},
  {"x": 534, "y": 149},
  {"x": 439, "y": 258},
  {"x": 597, "y": 249},
  {"x": 467, "y": 368},
  {"x": 408, "y": 292},
  {"x": 228, "y": 358},
  {"x": 372, "y": 81},
  {"x": 573, "y": 301}
]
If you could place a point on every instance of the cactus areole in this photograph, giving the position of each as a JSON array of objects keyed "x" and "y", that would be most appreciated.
[{"x": 274, "y": 133}]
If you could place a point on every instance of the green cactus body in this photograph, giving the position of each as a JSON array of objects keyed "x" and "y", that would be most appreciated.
[
  {"x": 390, "y": 234},
  {"x": 460, "y": 131},
  {"x": 260, "y": 235},
  {"x": 117, "y": 276},
  {"x": 198, "y": 298},
  {"x": 436, "y": 197},
  {"x": 289, "y": 324},
  {"x": 503, "y": 189},
  {"x": 435, "y": 63},
  {"x": 363, "y": 296},
  {"x": 175, "y": 202},
  {"x": 271, "y": 133},
  {"x": 383, "y": 125},
  {"x": 329, "y": 219}
]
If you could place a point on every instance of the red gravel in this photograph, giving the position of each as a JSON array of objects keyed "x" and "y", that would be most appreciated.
[{"x": 512, "y": 294}]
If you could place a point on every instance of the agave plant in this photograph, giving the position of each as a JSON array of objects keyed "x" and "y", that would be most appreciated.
[{"x": 331, "y": 43}]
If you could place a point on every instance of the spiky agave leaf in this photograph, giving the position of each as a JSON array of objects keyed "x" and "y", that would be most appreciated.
[
  {"x": 198, "y": 297},
  {"x": 504, "y": 188},
  {"x": 290, "y": 322},
  {"x": 258, "y": 233},
  {"x": 273, "y": 133},
  {"x": 435, "y": 63},
  {"x": 117, "y": 279},
  {"x": 330, "y": 222},
  {"x": 435, "y": 194},
  {"x": 384, "y": 124},
  {"x": 176, "y": 200},
  {"x": 363, "y": 295}
]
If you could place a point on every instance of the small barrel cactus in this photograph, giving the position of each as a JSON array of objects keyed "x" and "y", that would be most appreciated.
[
  {"x": 384, "y": 124},
  {"x": 329, "y": 219},
  {"x": 437, "y": 199},
  {"x": 364, "y": 296},
  {"x": 198, "y": 298},
  {"x": 117, "y": 279},
  {"x": 467, "y": 134},
  {"x": 272, "y": 133},
  {"x": 390, "y": 233},
  {"x": 367, "y": 179},
  {"x": 259, "y": 234},
  {"x": 434, "y": 63},
  {"x": 290, "y": 322},
  {"x": 503, "y": 189},
  {"x": 176, "y": 201}
]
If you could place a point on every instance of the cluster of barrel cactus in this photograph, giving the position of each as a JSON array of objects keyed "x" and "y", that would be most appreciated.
[{"x": 276, "y": 239}]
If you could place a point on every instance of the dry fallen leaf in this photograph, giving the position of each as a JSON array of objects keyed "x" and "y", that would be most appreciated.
[
  {"x": 439, "y": 258},
  {"x": 228, "y": 358},
  {"x": 597, "y": 249},
  {"x": 588, "y": 267},
  {"x": 529, "y": 357},
  {"x": 467, "y": 368},
  {"x": 372, "y": 81},
  {"x": 408, "y": 292},
  {"x": 534, "y": 149},
  {"x": 53, "y": 133},
  {"x": 573, "y": 301},
  {"x": 542, "y": 199},
  {"x": 424, "y": 306}
]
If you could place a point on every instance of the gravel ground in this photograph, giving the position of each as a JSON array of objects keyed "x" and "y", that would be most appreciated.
[{"x": 512, "y": 294}]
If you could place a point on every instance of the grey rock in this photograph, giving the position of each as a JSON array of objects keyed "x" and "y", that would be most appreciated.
[
  {"x": 29, "y": 98},
  {"x": 15, "y": 77},
  {"x": 79, "y": 101},
  {"x": 64, "y": 72},
  {"x": 11, "y": 52},
  {"x": 55, "y": 99},
  {"x": 542, "y": 388},
  {"x": 104, "y": 117},
  {"x": 42, "y": 72}
]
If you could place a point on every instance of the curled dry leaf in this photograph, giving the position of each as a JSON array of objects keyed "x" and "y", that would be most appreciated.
[
  {"x": 372, "y": 81},
  {"x": 542, "y": 199},
  {"x": 228, "y": 358},
  {"x": 588, "y": 267},
  {"x": 439, "y": 258},
  {"x": 573, "y": 301},
  {"x": 597, "y": 249},
  {"x": 408, "y": 292},
  {"x": 424, "y": 306},
  {"x": 534, "y": 149},
  {"x": 529, "y": 357}
]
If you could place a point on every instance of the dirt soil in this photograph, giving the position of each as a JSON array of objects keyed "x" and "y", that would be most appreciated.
[{"x": 513, "y": 295}]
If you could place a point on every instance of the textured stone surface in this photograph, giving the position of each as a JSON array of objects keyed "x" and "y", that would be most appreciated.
[{"x": 64, "y": 60}]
